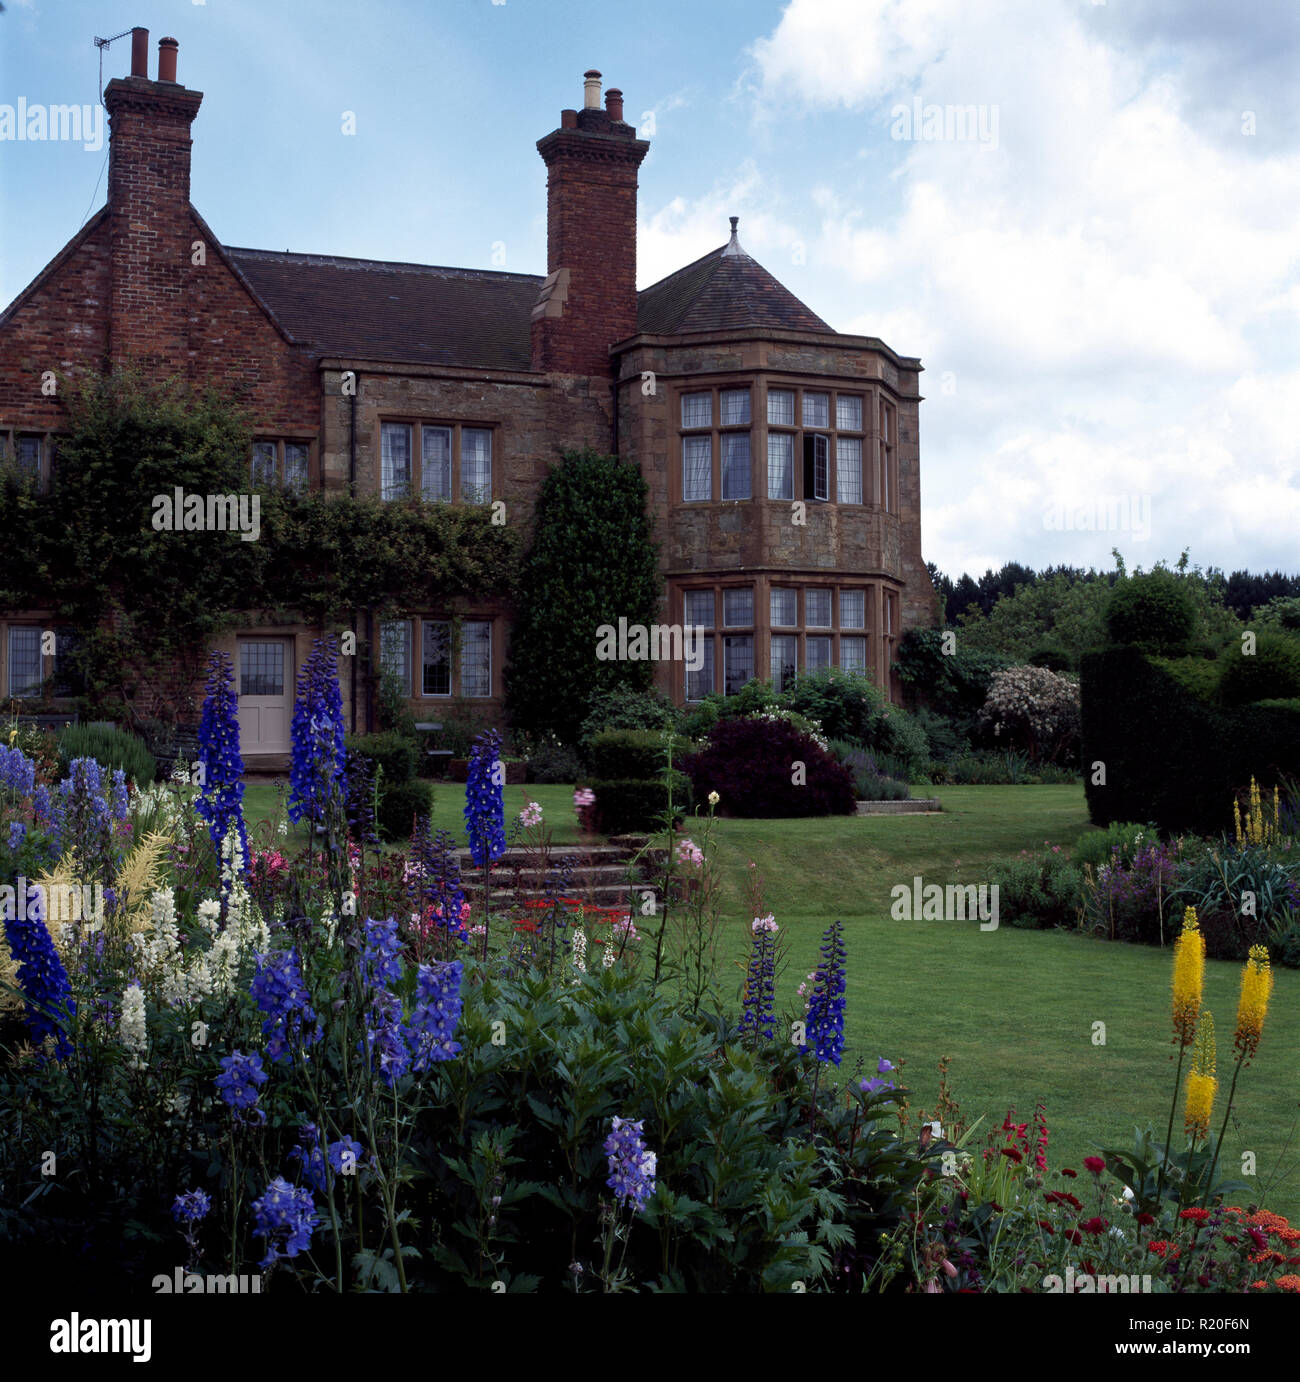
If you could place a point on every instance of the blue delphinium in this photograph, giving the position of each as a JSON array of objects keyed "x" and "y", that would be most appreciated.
[
  {"x": 17, "y": 834},
  {"x": 435, "y": 1014},
  {"x": 433, "y": 877},
  {"x": 85, "y": 822},
  {"x": 278, "y": 990},
  {"x": 825, "y": 1032},
  {"x": 345, "y": 1147},
  {"x": 758, "y": 1010},
  {"x": 17, "y": 771},
  {"x": 119, "y": 798},
  {"x": 309, "y": 1156},
  {"x": 239, "y": 1080},
  {"x": 47, "y": 991},
  {"x": 631, "y": 1166},
  {"x": 318, "y": 772},
  {"x": 190, "y": 1207},
  {"x": 221, "y": 793},
  {"x": 485, "y": 813},
  {"x": 285, "y": 1217}
]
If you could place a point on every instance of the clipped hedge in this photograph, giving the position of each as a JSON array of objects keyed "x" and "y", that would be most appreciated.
[
  {"x": 399, "y": 804},
  {"x": 394, "y": 754},
  {"x": 628, "y": 753},
  {"x": 110, "y": 748},
  {"x": 627, "y": 806},
  {"x": 1169, "y": 757}
]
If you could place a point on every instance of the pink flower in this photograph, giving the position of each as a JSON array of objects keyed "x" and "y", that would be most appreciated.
[
  {"x": 767, "y": 923},
  {"x": 531, "y": 815},
  {"x": 584, "y": 796},
  {"x": 689, "y": 853}
]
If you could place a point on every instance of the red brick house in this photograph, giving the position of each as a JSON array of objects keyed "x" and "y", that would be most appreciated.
[{"x": 781, "y": 456}]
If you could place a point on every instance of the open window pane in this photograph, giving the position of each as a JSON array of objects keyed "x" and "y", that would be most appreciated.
[
  {"x": 436, "y": 675},
  {"x": 780, "y": 465},
  {"x": 395, "y": 446},
  {"x": 697, "y": 468},
  {"x": 476, "y": 465},
  {"x": 738, "y": 608},
  {"x": 735, "y": 465},
  {"x": 816, "y": 470},
  {"x": 476, "y": 658},
  {"x": 435, "y": 461}
]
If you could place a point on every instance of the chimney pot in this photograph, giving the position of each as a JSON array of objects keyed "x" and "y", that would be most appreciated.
[
  {"x": 614, "y": 103},
  {"x": 591, "y": 89},
  {"x": 568, "y": 119},
  {"x": 139, "y": 52},
  {"x": 167, "y": 59}
]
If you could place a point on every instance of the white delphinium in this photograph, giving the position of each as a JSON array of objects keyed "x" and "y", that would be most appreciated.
[
  {"x": 579, "y": 952},
  {"x": 134, "y": 1034},
  {"x": 609, "y": 956},
  {"x": 209, "y": 914}
]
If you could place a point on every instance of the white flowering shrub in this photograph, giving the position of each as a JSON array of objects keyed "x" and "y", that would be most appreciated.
[{"x": 1035, "y": 709}]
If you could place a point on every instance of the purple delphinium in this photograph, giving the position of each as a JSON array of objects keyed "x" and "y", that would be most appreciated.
[
  {"x": 435, "y": 1014},
  {"x": 345, "y": 1147},
  {"x": 221, "y": 792},
  {"x": 825, "y": 1030},
  {"x": 485, "y": 814},
  {"x": 47, "y": 991},
  {"x": 279, "y": 991},
  {"x": 17, "y": 771},
  {"x": 239, "y": 1080},
  {"x": 758, "y": 1015},
  {"x": 17, "y": 834},
  {"x": 190, "y": 1207},
  {"x": 631, "y": 1166},
  {"x": 318, "y": 773},
  {"x": 309, "y": 1156},
  {"x": 285, "y": 1217}
]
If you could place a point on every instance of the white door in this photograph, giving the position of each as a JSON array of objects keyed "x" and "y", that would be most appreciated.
[{"x": 265, "y": 699}]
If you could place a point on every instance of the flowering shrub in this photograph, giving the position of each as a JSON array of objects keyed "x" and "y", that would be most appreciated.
[{"x": 1035, "y": 709}]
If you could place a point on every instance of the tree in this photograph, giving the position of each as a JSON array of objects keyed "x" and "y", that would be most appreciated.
[{"x": 593, "y": 562}]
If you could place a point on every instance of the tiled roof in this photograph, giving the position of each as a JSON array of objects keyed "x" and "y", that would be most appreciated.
[
  {"x": 724, "y": 289},
  {"x": 371, "y": 309}
]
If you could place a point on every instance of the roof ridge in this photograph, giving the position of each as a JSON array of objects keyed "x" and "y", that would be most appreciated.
[
  {"x": 347, "y": 259},
  {"x": 686, "y": 268}
]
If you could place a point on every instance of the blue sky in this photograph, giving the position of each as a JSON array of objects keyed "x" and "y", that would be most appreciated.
[{"x": 1101, "y": 274}]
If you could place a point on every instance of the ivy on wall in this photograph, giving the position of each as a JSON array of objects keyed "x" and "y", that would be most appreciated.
[{"x": 148, "y": 600}]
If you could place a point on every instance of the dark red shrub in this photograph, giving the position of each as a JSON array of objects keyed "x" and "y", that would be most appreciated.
[{"x": 751, "y": 765}]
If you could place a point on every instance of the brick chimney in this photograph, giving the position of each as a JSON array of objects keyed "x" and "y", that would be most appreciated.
[
  {"x": 150, "y": 227},
  {"x": 589, "y": 298}
]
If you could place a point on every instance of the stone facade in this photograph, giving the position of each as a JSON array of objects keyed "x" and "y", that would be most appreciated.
[{"x": 570, "y": 360}]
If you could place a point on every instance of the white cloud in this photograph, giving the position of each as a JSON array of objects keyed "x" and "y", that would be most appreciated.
[{"x": 1109, "y": 288}]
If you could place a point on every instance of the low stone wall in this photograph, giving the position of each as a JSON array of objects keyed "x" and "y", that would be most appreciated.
[{"x": 917, "y": 806}]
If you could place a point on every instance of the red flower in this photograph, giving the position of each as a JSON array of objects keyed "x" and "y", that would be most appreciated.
[
  {"x": 1197, "y": 1216},
  {"x": 1095, "y": 1164},
  {"x": 1093, "y": 1225},
  {"x": 1073, "y": 1235},
  {"x": 1145, "y": 1219},
  {"x": 1065, "y": 1171},
  {"x": 1012, "y": 1153},
  {"x": 1042, "y": 1223}
]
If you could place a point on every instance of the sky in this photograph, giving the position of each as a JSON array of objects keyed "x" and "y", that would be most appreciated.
[{"x": 1083, "y": 217}]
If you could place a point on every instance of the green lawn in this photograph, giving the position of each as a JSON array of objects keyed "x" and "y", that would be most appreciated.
[{"x": 1015, "y": 1010}]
